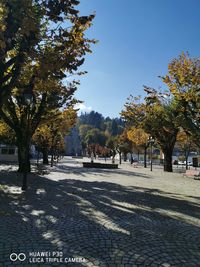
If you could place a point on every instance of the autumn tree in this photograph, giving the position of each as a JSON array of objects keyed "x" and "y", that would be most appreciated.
[
  {"x": 112, "y": 144},
  {"x": 20, "y": 27},
  {"x": 58, "y": 53},
  {"x": 7, "y": 135},
  {"x": 140, "y": 140},
  {"x": 185, "y": 145},
  {"x": 120, "y": 144},
  {"x": 183, "y": 80},
  {"x": 42, "y": 141},
  {"x": 29, "y": 27},
  {"x": 49, "y": 137},
  {"x": 177, "y": 108},
  {"x": 157, "y": 116},
  {"x": 24, "y": 118},
  {"x": 124, "y": 145},
  {"x": 104, "y": 152}
]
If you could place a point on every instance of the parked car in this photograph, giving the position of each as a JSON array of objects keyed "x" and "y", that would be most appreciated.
[
  {"x": 184, "y": 163},
  {"x": 189, "y": 163}
]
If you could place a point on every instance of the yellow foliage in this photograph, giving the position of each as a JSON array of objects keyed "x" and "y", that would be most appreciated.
[
  {"x": 138, "y": 136},
  {"x": 47, "y": 135},
  {"x": 183, "y": 76},
  {"x": 6, "y": 134}
]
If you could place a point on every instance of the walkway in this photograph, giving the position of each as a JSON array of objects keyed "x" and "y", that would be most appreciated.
[{"x": 127, "y": 217}]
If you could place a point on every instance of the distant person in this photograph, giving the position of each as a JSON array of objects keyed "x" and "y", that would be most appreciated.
[
  {"x": 92, "y": 157},
  {"x": 131, "y": 159}
]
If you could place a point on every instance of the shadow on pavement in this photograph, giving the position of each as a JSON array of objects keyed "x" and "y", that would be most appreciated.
[
  {"x": 98, "y": 172},
  {"x": 106, "y": 223}
]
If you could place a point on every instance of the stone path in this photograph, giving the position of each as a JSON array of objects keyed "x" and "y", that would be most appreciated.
[{"x": 127, "y": 217}]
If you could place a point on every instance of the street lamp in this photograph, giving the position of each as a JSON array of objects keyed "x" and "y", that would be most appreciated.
[
  {"x": 28, "y": 98},
  {"x": 92, "y": 157},
  {"x": 151, "y": 142}
]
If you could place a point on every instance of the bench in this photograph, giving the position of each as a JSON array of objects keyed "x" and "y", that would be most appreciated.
[
  {"x": 100, "y": 165},
  {"x": 193, "y": 173}
]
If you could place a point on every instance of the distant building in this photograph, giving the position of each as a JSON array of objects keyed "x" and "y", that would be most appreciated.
[
  {"x": 73, "y": 145},
  {"x": 8, "y": 153}
]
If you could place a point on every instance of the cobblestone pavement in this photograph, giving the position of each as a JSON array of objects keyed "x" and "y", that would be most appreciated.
[{"x": 126, "y": 217}]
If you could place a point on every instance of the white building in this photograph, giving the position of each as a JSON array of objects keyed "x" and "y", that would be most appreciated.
[{"x": 8, "y": 153}]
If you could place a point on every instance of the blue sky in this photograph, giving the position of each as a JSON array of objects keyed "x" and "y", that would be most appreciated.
[{"x": 137, "y": 40}]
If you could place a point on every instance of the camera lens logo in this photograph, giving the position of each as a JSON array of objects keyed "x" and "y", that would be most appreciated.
[{"x": 15, "y": 257}]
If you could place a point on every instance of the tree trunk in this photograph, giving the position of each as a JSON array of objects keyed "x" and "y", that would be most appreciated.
[
  {"x": 45, "y": 156},
  {"x": 120, "y": 158},
  {"x": 187, "y": 153},
  {"x": 113, "y": 156},
  {"x": 125, "y": 157},
  {"x": 186, "y": 161},
  {"x": 145, "y": 157},
  {"x": 52, "y": 159},
  {"x": 186, "y": 164},
  {"x": 38, "y": 156},
  {"x": 168, "y": 160},
  {"x": 113, "y": 159},
  {"x": 23, "y": 157}
]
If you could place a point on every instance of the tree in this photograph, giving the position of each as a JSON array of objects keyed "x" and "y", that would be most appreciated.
[
  {"x": 93, "y": 119},
  {"x": 157, "y": 116},
  {"x": 7, "y": 136},
  {"x": 95, "y": 136},
  {"x": 124, "y": 145},
  {"x": 112, "y": 144},
  {"x": 20, "y": 25},
  {"x": 32, "y": 27},
  {"x": 140, "y": 139},
  {"x": 183, "y": 80},
  {"x": 42, "y": 139},
  {"x": 50, "y": 136},
  {"x": 119, "y": 144},
  {"x": 83, "y": 130},
  {"x": 57, "y": 54},
  {"x": 24, "y": 118},
  {"x": 59, "y": 128},
  {"x": 185, "y": 144}
]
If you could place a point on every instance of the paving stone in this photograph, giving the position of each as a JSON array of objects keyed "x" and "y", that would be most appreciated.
[{"x": 124, "y": 217}]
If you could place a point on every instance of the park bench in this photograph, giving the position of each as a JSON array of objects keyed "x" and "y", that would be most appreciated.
[
  {"x": 100, "y": 165},
  {"x": 193, "y": 173}
]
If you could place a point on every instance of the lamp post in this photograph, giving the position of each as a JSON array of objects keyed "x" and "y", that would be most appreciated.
[
  {"x": 92, "y": 157},
  {"x": 105, "y": 152},
  {"x": 28, "y": 101},
  {"x": 151, "y": 142}
]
